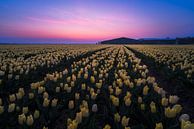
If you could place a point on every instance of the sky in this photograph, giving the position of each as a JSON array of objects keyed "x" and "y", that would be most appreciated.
[{"x": 90, "y": 21}]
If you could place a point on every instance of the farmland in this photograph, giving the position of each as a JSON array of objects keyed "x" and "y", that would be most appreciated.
[{"x": 96, "y": 87}]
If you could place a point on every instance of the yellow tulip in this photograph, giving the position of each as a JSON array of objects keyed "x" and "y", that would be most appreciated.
[
  {"x": 159, "y": 126},
  {"x": 21, "y": 119},
  {"x": 124, "y": 121},
  {"x": 71, "y": 104},
  {"x": 36, "y": 114},
  {"x": 117, "y": 117},
  {"x": 29, "y": 120},
  {"x": 107, "y": 126}
]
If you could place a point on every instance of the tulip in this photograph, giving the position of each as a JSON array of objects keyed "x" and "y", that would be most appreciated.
[
  {"x": 40, "y": 90},
  {"x": 153, "y": 107},
  {"x": 124, "y": 121},
  {"x": 46, "y": 102},
  {"x": 11, "y": 107},
  {"x": 107, "y": 126},
  {"x": 83, "y": 86},
  {"x": 1, "y": 109},
  {"x": 164, "y": 102},
  {"x": 93, "y": 96},
  {"x": 19, "y": 95},
  {"x": 71, "y": 104},
  {"x": 145, "y": 90},
  {"x": 29, "y": 120},
  {"x": 31, "y": 95},
  {"x": 77, "y": 96},
  {"x": 117, "y": 117},
  {"x": 68, "y": 79},
  {"x": 85, "y": 76},
  {"x": 45, "y": 127},
  {"x": 12, "y": 98},
  {"x": 57, "y": 89},
  {"x": 25, "y": 110},
  {"x": 115, "y": 101},
  {"x": 118, "y": 91},
  {"x": 73, "y": 125},
  {"x": 187, "y": 125},
  {"x": 98, "y": 85},
  {"x": 21, "y": 119},
  {"x": 140, "y": 100},
  {"x": 85, "y": 112},
  {"x": 173, "y": 99},
  {"x": 94, "y": 108},
  {"x": 45, "y": 95},
  {"x": 178, "y": 108},
  {"x": 78, "y": 117},
  {"x": 128, "y": 102},
  {"x": 142, "y": 107},
  {"x": 159, "y": 126},
  {"x": 92, "y": 79},
  {"x": 170, "y": 113},
  {"x": 184, "y": 117},
  {"x": 36, "y": 114},
  {"x": 54, "y": 102},
  {"x": 72, "y": 84}
]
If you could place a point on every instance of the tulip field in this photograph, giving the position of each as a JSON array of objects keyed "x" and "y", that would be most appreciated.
[{"x": 95, "y": 87}]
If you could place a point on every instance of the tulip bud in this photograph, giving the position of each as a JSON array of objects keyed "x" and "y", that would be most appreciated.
[
  {"x": 178, "y": 108},
  {"x": 57, "y": 89},
  {"x": 140, "y": 100},
  {"x": 142, "y": 107},
  {"x": 85, "y": 76},
  {"x": 85, "y": 112},
  {"x": 78, "y": 117},
  {"x": 107, "y": 126},
  {"x": 45, "y": 127},
  {"x": 92, "y": 79},
  {"x": 1, "y": 109},
  {"x": 173, "y": 99},
  {"x": 36, "y": 114},
  {"x": 77, "y": 96},
  {"x": 29, "y": 120},
  {"x": 83, "y": 86},
  {"x": 25, "y": 110},
  {"x": 164, "y": 102},
  {"x": 73, "y": 125},
  {"x": 184, "y": 117},
  {"x": 71, "y": 104},
  {"x": 31, "y": 95},
  {"x": 145, "y": 90},
  {"x": 45, "y": 95},
  {"x": 117, "y": 117},
  {"x": 128, "y": 102},
  {"x": 170, "y": 113},
  {"x": 19, "y": 95},
  {"x": 11, "y": 107},
  {"x": 94, "y": 108},
  {"x": 54, "y": 102},
  {"x": 124, "y": 121},
  {"x": 12, "y": 98},
  {"x": 153, "y": 107},
  {"x": 159, "y": 126},
  {"x": 46, "y": 102},
  {"x": 21, "y": 119}
]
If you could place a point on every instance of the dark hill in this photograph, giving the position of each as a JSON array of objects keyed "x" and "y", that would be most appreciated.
[
  {"x": 124, "y": 40},
  {"x": 121, "y": 40}
]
